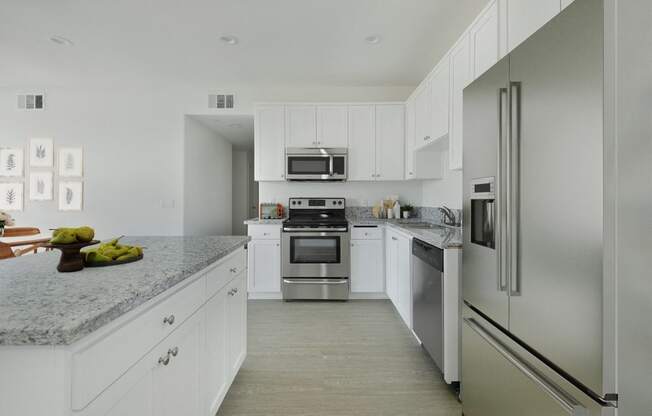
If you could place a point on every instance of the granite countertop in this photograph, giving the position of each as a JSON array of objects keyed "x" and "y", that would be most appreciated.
[
  {"x": 40, "y": 306},
  {"x": 442, "y": 236},
  {"x": 256, "y": 221}
]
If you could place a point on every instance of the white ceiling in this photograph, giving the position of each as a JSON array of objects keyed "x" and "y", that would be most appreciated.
[
  {"x": 302, "y": 42},
  {"x": 238, "y": 129}
]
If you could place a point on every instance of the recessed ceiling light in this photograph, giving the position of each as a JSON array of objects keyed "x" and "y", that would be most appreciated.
[
  {"x": 372, "y": 39},
  {"x": 229, "y": 39},
  {"x": 235, "y": 125},
  {"x": 60, "y": 40}
]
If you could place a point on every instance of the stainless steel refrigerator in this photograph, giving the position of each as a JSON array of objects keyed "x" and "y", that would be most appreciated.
[{"x": 533, "y": 241}]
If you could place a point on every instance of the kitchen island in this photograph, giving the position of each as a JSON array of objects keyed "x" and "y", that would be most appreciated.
[{"x": 133, "y": 339}]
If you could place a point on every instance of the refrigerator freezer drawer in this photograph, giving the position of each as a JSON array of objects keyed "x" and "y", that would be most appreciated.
[{"x": 500, "y": 380}]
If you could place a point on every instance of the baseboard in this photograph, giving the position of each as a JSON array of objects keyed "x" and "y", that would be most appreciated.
[
  {"x": 367, "y": 296},
  {"x": 265, "y": 295}
]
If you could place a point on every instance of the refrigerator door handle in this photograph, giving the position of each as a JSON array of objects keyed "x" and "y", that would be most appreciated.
[
  {"x": 565, "y": 400},
  {"x": 513, "y": 209},
  {"x": 500, "y": 190}
]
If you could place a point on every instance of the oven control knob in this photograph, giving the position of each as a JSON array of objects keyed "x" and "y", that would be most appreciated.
[
  {"x": 334, "y": 202},
  {"x": 294, "y": 202},
  {"x": 298, "y": 202},
  {"x": 339, "y": 202}
]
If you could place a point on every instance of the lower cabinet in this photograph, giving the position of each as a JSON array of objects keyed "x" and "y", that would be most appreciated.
[
  {"x": 367, "y": 271},
  {"x": 264, "y": 263},
  {"x": 236, "y": 324},
  {"x": 216, "y": 369},
  {"x": 398, "y": 273}
]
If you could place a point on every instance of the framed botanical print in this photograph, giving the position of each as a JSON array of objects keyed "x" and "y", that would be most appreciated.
[
  {"x": 11, "y": 162},
  {"x": 41, "y": 153},
  {"x": 70, "y": 161}
]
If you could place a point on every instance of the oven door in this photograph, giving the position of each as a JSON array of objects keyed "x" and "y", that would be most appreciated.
[
  {"x": 315, "y": 254},
  {"x": 307, "y": 167}
]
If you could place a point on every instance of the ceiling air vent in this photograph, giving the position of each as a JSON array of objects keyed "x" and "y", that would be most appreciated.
[
  {"x": 220, "y": 100},
  {"x": 30, "y": 101}
]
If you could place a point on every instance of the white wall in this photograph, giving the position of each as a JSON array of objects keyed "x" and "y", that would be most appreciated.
[
  {"x": 133, "y": 144},
  {"x": 356, "y": 193},
  {"x": 241, "y": 191},
  {"x": 446, "y": 191},
  {"x": 207, "y": 180}
]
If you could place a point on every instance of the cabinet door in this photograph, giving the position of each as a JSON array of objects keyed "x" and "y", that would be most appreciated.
[
  {"x": 176, "y": 385},
  {"x": 216, "y": 370},
  {"x": 264, "y": 266},
  {"x": 269, "y": 152},
  {"x": 391, "y": 263},
  {"x": 301, "y": 127},
  {"x": 404, "y": 279},
  {"x": 460, "y": 63},
  {"x": 524, "y": 17},
  {"x": 440, "y": 86},
  {"x": 390, "y": 142},
  {"x": 136, "y": 402},
  {"x": 332, "y": 128},
  {"x": 362, "y": 143},
  {"x": 422, "y": 115},
  {"x": 409, "y": 138},
  {"x": 367, "y": 274},
  {"x": 485, "y": 41},
  {"x": 565, "y": 3},
  {"x": 236, "y": 324}
]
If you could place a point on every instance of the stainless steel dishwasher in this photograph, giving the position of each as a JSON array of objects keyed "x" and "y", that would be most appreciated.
[{"x": 427, "y": 298}]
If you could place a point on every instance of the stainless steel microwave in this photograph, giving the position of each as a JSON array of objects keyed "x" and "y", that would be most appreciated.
[{"x": 308, "y": 164}]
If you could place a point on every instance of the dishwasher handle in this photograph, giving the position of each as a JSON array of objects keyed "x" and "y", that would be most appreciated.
[{"x": 434, "y": 256}]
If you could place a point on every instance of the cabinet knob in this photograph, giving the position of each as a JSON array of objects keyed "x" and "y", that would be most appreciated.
[
  {"x": 165, "y": 360},
  {"x": 233, "y": 270},
  {"x": 394, "y": 238},
  {"x": 168, "y": 320},
  {"x": 231, "y": 292},
  {"x": 173, "y": 351},
  {"x": 426, "y": 138}
]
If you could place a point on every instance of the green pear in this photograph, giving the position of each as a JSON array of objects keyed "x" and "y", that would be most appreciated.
[
  {"x": 125, "y": 257},
  {"x": 93, "y": 257},
  {"x": 85, "y": 234},
  {"x": 65, "y": 236}
]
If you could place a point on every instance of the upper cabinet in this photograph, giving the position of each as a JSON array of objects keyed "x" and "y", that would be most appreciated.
[
  {"x": 390, "y": 141},
  {"x": 440, "y": 89},
  {"x": 565, "y": 3},
  {"x": 301, "y": 126},
  {"x": 409, "y": 137},
  {"x": 485, "y": 41},
  {"x": 524, "y": 17},
  {"x": 362, "y": 143},
  {"x": 460, "y": 76},
  {"x": 269, "y": 142},
  {"x": 422, "y": 115},
  {"x": 332, "y": 124}
]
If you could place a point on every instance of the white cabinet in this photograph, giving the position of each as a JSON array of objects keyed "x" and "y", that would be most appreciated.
[
  {"x": 565, "y": 3},
  {"x": 216, "y": 370},
  {"x": 410, "y": 135},
  {"x": 524, "y": 17},
  {"x": 376, "y": 142},
  {"x": 460, "y": 76},
  {"x": 264, "y": 265},
  {"x": 332, "y": 126},
  {"x": 390, "y": 141},
  {"x": 264, "y": 259},
  {"x": 236, "y": 324},
  {"x": 362, "y": 143},
  {"x": 423, "y": 115},
  {"x": 269, "y": 134},
  {"x": 440, "y": 86},
  {"x": 301, "y": 126},
  {"x": 367, "y": 261},
  {"x": 398, "y": 273},
  {"x": 137, "y": 401},
  {"x": 485, "y": 41},
  {"x": 176, "y": 378}
]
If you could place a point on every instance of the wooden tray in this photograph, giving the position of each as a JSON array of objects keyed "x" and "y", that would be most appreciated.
[{"x": 113, "y": 263}]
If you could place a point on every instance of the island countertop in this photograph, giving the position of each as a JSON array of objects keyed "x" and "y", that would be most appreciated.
[{"x": 40, "y": 306}]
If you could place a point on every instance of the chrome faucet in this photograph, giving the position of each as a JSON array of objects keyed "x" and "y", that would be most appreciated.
[{"x": 449, "y": 216}]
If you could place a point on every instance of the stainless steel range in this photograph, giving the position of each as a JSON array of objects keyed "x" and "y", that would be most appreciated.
[{"x": 315, "y": 250}]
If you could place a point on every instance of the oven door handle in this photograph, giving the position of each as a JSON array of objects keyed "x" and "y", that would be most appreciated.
[
  {"x": 314, "y": 230},
  {"x": 316, "y": 281},
  {"x": 330, "y": 165}
]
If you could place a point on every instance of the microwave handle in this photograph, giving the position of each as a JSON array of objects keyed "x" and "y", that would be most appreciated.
[{"x": 330, "y": 165}]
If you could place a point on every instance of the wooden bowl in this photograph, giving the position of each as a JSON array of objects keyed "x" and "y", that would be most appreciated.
[{"x": 71, "y": 259}]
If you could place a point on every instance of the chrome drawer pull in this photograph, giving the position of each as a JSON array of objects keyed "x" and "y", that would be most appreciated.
[
  {"x": 233, "y": 270},
  {"x": 168, "y": 320},
  {"x": 164, "y": 360},
  {"x": 173, "y": 351}
]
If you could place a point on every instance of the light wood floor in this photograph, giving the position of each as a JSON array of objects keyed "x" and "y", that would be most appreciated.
[{"x": 320, "y": 358}]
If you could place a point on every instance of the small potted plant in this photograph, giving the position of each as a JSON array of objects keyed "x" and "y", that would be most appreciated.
[
  {"x": 5, "y": 221},
  {"x": 406, "y": 210}
]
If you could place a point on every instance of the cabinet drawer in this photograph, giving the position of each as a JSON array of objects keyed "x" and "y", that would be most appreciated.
[
  {"x": 265, "y": 232},
  {"x": 366, "y": 233},
  {"x": 230, "y": 267},
  {"x": 99, "y": 364}
]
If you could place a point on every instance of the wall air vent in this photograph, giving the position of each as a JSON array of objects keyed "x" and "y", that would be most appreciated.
[
  {"x": 30, "y": 101},
  {"x": 220, "y": 101}
]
